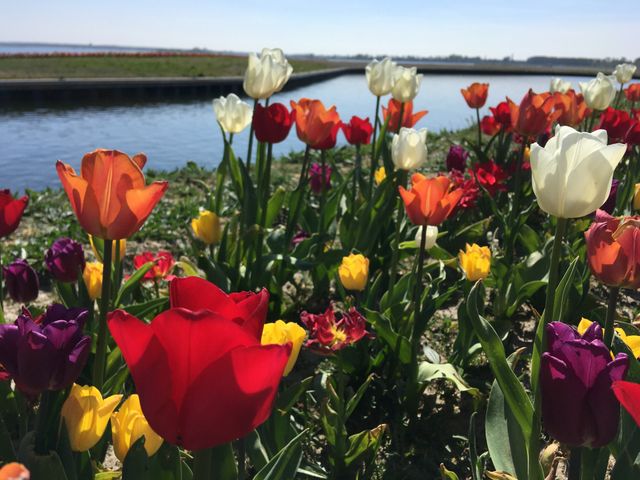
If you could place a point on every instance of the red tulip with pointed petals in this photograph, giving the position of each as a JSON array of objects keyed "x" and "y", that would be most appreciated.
[{"x": 11, "y": 210}]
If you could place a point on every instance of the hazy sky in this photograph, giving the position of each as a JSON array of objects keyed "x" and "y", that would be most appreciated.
[{"x": 490, "y": 28}]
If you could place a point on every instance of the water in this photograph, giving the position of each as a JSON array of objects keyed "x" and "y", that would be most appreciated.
[
  {"x": 174, "y": 132},
  {"x": 14, "y": 48}
]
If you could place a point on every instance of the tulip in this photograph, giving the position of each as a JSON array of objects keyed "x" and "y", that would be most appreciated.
[
  {"x": 47, "y": 353},
  {"x": 475, "y": 94},
  {"x": 266, "y": 74},
  {"x": 457, "y": 158},
  {"x": 628, "y": 394},
  {"x": 624, "y": 72},
  {"x": 232, "y": 114},
  {"x": 534, "y": 115},
  {"x": 11, "y": 210},
  {"x": 431, "y": 237},
  {"x": 354, "y": 271},
  {"x": 572, "y": 106},
  {"x": 612, "y": 250},
  {"x": 599, "y": 92},
  {"x": 409, "y": 119},
  {"x": 406, "y": 84},
  {"x": 409, "y": 148},
  {"x": 632, "y": 137},
  {"x": 572, "y": 174},
  {"x": 281, "y": 333},
  {"x": 272, "y": 124},
  {"x": 92, "y": 276},
  {"x": 317, "y": 181},
  {"x": 502, "y": 115},
  {"x": 86, "y": 415},
  {"x": 475, "y": 262},
  {"x": 110, "y": 198},
  {"x": 559, "y": 85},
  {"x": 576, "y": 373},
  {"x": 208, "y": 341},
  {"x": 14, "y": 471},
  {"x": 430, "y": 200},
  {"x": 206, "y": 227},
  {"x": 468, "y": 186},
  {"x": 358, "y": 131},
  {"x": 610, "y": 204},
  {"x": 379, "y": 76},
  {"x": 65, "y": 260},
  {"x": 21, "y": 281},
  {"x": 315, "y": 125},
  {"x": 632, "y": 341},
  {"x": 163, "y": 262},
  {"x": 489, "y": 126},
  {"x": 379, "y": 175},
  {"x": 491, "y": 176},
  {"x": 97, "y": 247},
  {"x": 632, "y": 92},
  {"x": 128, "y": 425},
  {"x": 327, "y": 334},
  {"x": 616, "y": 122}
]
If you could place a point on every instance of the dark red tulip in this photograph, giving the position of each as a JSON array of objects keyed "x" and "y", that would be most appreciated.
[
  {"x": 616, "y": 122},
  {"x": 327, "y": 334},
  {"x": 11, "y": 210},
  {"x": 632, "y": 137},
  {"x": 317, "y": 181},
  {"x": 21, "y": 281},
  {"x": 457, "y": 158},
  {"x": 163, "y": 262},
  {"x": 272, "y": 124},
  {"x": 358, "y": 131},
  {"x": 65, "y": 260},
  {"x": 489, "y": 126},
  {"x": 491, "y": 176},
  {"x": 502, "y": 115}
]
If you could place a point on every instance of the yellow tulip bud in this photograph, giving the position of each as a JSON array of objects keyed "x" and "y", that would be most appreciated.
[
  {"x": 636, "y": 197},
  {"x": 92, "y": 276},
  {"x": 206, "y": 227},
  {"x": 475, "y": 261},
  {"x": 379, "y": 175},
  {"x": 281, "y": 333},
  {"x": 527, "y": 154},
  {"x": 86, "y": 415},
  {"x": 128, "y": 424},
  {"x": 353, "y": 272},
  {"x": 97, "y": 246}
]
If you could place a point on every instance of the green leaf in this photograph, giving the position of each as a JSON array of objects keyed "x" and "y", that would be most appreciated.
[
  {"x": 136, "y": 463},
  {"x": 284, "y": 464},
  {"x": 355, "y": 400},
  {"x": 476, "y": 472},
  {"x": 148, "y": 308},
  {"x": 41, "y": 466},
  {"x": 431, "y": 371},
  {"x": 288, "y": 398},
  {"x": 447, "y": 474},
  {"x": 275, "y": 204},
  {"x": 560, "y": 303},
  {"x": 397, "y": 343},
  {"x": 363, "y": 446},
  {"x": 132, "y": 282},
  {"x": 223, "y": 463},
  {"x": 7, "y": 452}
]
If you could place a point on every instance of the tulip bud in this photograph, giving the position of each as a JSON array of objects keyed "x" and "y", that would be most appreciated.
[
  {"x": 267, "y": 74},
  {"x": 432, "y": 236},
  {"x": 65, "y": 260},
  {"x": 317, "y": 181},
  {"x": 281, "y": 333},
  {"x": 559, "y": 85},
  {"x": 92, "y": 277},
  {"x": 11, "y": 210},
  {"x": 624, "y": 72},
  {"x": 475, "y": 262},
  {"x": 21, "y": 281},
  {"x": 457, "y": 158},
  {"x": 358, "y": 131},
  {"x": 632, "y": 341},
  {"x": 272, "y": 124},
  {"x": 599, "y": 92},
  {"x": 232, "y": 113},
  {"x": 380, "y": 76},
  {"x": 206, "y": 227},
  {"x": 354, "y": 271},
  {"x": 128, "y": 424},
  {"x": 475, "y": 94},
  {"x": 406, "y": 84},
  {"x": 380, "y": 174},
  {"x": 409, "y": 148},
  {"x": 86, "y": 415}
]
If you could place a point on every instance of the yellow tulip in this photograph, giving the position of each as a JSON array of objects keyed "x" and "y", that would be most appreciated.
[
  {"x": 92, "y": 276},
  {"x": 97, "y": 246},
  {"x": 128, "y": 424},
  {"x": 86, "y": 415},
  {"x": 475, "y": 262},
  {"x": 206, "y": 227},
  {"x": 379, "y": 175},
  {"x": 636, "y": 197},
  {"x": 632, "y": 341},
  {"x": 281, "y": 333},
  {"x": 353, "y": 272}
]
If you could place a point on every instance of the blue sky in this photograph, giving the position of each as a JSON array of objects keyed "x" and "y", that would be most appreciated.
[{"x": 489, "y": 28}]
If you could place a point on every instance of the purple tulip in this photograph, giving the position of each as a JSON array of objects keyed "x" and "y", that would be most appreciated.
[
  {"x": 457, "y": 158},
  {"x": 65, "y": 260},
  {"x": 21, "y": 281},
  {"x": 576, "y": 373},
  {"x": 46, "y": 353},
  {"x": 315, "y": 178},
  {"x": 610, "y": 204}
]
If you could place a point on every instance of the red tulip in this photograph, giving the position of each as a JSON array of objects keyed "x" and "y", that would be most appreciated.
[
  {"x": 632, "y": 136},
  {"x": 502, "y": 115},
  {"x": 163, "y": 262},
  {"x": 200, "y": 370},
  {"x": 616, "y": 122},
  {"x": 534, "y": 115},
  {"x": 11, "y": 210},
  {"x": 358, "y": 131},
  {"x": 491, "y": 176},
  {"x": 409, "y": 119},
  {"x": 430, "y": 201},
  {"x": 632, "y": 92},
  {"x": 475, "y": 94},
  {"x": 489, "y": 126},
  {"x": 628, "y": 394},
  {"x": 272, "y": 124}
]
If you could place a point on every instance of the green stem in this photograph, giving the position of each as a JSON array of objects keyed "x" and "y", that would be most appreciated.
[
  {"x": 202, "y": 464},
  {"x": 417, "y": 289},
  {"x": 515, "y": 209},
  {"x": 611, "y": 316},
  {"x": 575, "y": 463},
  {"x": 323, "y": 191},
  {"x": 221, "y": 173},
  {"x": 356, "y": 178},
  {"x": 401, "y": 180},
  {"x": 374, "y": 158},
  {"x": 479, "y": 130},
  {"x": 250, "y": 148},
  {"x": 266, "y": 177},
  {"x": 101, "y": 345}
]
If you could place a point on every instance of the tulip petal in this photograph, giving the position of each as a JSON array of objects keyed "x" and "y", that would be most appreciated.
[
  {"x": 195, "y": 293},
  {"x": 628, "y": 394}
]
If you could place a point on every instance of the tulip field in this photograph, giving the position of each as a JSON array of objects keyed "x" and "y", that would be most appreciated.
[{"x": 375, "y": 311}]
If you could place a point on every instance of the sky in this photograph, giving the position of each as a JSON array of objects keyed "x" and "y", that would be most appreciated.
[{"x": 486, "y": 28}]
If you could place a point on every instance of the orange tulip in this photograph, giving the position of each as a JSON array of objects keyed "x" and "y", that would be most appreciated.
[
  {"x": 409, "y": 119},
  {"x": 316, "y": 126},
  {"x": 632, "y": 92},
  {"x": 14, "y": 471},
  {"x": 572, "y": 107},
  {"x": 430, "y": 200},
  {"x": 475, "y": 94},
  {"x": 534, "y": 115},
  {"x": 110, "y": 197}
]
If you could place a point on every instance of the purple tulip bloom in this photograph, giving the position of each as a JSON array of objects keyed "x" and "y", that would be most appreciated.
[
  {"x": 457, "y": 158},
  {"x": 46, "y": 353},
  {"x": 65, "y": 260},
  {"x": 315, "y": 178},
  {"x": 21, "y": 281},
  {"x": 610, "y": 204},
  {"x": 576, "y": 373}
]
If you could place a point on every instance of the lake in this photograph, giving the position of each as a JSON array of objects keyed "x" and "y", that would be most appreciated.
[{"x": 173, "y": 132}]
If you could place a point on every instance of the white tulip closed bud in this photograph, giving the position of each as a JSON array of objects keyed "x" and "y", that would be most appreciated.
[
  {"x": 624, "y": 72},
  {"x": 432, "y": 236},
  {"x": 266, "y": 74},
  {"x": 559, "y": 85},
  {"x": 232, "y": 113},
  {"x": 572, "y": 173},
  {"x": 380, "y": 76},
  {"x": 599, "y": 92},
  {"x": 406, "y": 84},
  {"x": 409, "y": 148}
]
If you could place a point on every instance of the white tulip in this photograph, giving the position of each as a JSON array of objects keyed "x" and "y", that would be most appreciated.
[
  {"x": 406, "y": 83},
  {"x": 599, "y": 92},
  {"x": 267, "y": 74},
  {"x": 380, "y": 76},
  {"x": 432, "y": 236},
  {"x": 559, "y": 85},
  {"x": 409, "y": 148},
  {"x": 572, "y": 174},
  {"x": 624, "y": 72},
  {"x": 232, "y": 113}
]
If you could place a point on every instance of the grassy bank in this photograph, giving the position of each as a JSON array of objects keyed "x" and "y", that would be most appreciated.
[{"x": 134, "y": 66}]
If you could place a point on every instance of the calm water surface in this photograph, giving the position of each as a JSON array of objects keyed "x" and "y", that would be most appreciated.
[{"x": 174, "y": 132}]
